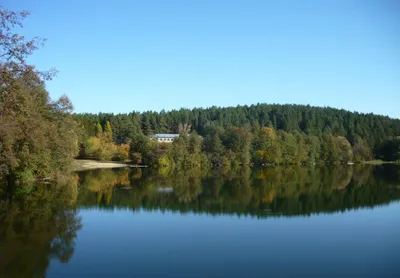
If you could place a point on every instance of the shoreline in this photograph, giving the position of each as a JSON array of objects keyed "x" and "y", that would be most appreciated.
[
  {"x": 379, "y": 162},
  {"x": 87, "y": 164}
]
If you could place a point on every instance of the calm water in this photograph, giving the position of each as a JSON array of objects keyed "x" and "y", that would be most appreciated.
[{"x": 289, "y": 222}]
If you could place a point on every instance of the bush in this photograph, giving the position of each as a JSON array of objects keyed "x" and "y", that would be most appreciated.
[{"x": 121, "y": 152}]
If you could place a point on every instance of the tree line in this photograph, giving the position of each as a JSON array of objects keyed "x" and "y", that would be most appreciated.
[
  {"x": 314, "y": 121},
  {"x": 40, "y": 137},
  {"x": 260, "y": 134}
]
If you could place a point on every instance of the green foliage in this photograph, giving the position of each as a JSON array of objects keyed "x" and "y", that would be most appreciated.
[
  {"x": 361, "y": 151},
  {"x": 138, "y": 147},
  {"x": 266, "y": 147},
  {"x": 38, "y": 136},
  {"x": 25, "y": 175},
  {"x": 121, "y": 152},
  {"x": 344, "y": 149},
  {"x": 108, "y": 129},
  {"x": 289, "y": 148},
  {"x": 329, "y": 150},
  {"x": 238, "y": 142},
  {"x": 101, "y": 146},
  {"x": 311, "y": 121},
  {"x": 239, "y": 146},
  {"x": 259, "y": 134},
  {"x": 233, "y": 146},
  {"x": 99, "y": 129},
  {"x": 389, "y": 150},
  {"x": 98, "y": 148},
  {"x": 185, "y": 152}
]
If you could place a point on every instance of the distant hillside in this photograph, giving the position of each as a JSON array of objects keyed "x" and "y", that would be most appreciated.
[{"x": 305, "y": 119}]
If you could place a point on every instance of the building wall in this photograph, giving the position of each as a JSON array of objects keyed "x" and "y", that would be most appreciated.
[{"x": 166, "y": 140}]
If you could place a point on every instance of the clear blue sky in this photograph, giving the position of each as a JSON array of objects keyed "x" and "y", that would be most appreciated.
[{"x": 120, "y": 56}]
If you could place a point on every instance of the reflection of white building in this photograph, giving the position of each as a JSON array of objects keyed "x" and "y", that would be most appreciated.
[{"x": 164, "y": 137}]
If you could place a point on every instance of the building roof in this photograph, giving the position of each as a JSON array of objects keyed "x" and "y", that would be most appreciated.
[{"x": 165, "y": 135}]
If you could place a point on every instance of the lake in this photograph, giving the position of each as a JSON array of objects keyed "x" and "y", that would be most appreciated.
[{"x": 274, "y": 222}]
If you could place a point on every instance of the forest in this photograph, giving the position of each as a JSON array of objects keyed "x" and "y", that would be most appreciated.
[
  {"x": 40, "y": 137},
  {"x": 261, "y": 134}
]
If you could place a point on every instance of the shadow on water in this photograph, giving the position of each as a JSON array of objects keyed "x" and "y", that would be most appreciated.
[{"x": 242, "y": 191}]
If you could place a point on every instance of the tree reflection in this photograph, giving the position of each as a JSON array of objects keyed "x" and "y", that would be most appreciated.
[
  {"x": 39, "y": 222},
  {"x": 37, "y": 225},
  {"x": 242, "y": 191}
]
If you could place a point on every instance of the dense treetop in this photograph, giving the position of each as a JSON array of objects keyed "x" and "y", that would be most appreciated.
[
  {"x": 305, "y": 119},
  {"x": 259, "y": 134},
  {"x": 38, "y": 136}
]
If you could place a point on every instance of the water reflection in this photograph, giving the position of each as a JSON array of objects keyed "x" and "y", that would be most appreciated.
[
  {"x": 261, "y": 193},
  {"x": 38, "y": 224}
]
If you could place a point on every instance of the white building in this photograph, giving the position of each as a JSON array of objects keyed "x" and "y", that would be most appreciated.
[{"x": 164, "y": 137}]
